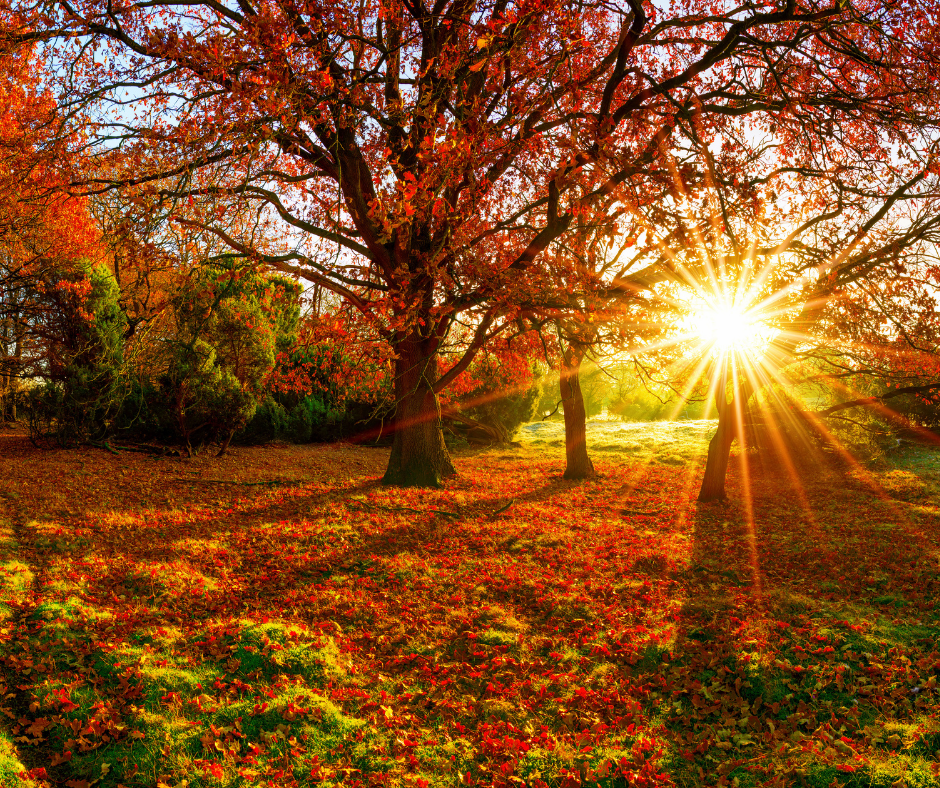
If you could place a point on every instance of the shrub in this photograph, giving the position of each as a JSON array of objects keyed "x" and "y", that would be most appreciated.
[
  {"x": 332, "y": 384},
  {"x": 506, "y": 411},
  {"x": 499, "y": 391},
  {"x": 85, "y": 377},
  {"x": 301, "y": 422},
  {"x": 220, "y": 357}
]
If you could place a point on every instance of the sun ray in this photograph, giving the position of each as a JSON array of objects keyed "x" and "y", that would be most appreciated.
[
  {"x": 746, "y": 490},
  {"x": 783, "y": 452},
  {"x": 692, "y": 381}
]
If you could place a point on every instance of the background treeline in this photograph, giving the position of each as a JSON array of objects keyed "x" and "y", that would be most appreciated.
[
  {"x": 218, "y": 353},
  {"x": 226, "y": 352}
]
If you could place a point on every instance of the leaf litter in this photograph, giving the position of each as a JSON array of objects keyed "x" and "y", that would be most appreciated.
[{"x": 277, "y": 617}]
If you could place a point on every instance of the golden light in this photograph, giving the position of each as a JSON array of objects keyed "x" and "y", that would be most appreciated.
[{"x": 727, "y": 327}]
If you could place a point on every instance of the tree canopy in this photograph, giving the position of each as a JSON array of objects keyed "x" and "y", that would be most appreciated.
[{"x": 420, "y": 161}]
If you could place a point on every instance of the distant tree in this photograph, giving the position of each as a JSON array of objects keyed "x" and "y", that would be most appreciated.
[
  {"x": 800, "y": 281},
  {"x": 82, "y": 328},
  {"x": 42, "y": 231}
]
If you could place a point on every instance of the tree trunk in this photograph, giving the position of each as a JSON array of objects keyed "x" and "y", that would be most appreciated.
[
  {"x": 577, "y": 463},
  {"x": 419, "y": 457},
  {"x": 719, "y": 454},
  {"x": 225, "y": 443},
  {"x": 15, "y": 381},
  {"x": 730, "y": 424}
]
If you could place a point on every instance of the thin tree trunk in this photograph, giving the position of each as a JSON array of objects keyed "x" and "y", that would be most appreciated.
[
  {"x": 777, "y": 356},
  {"x": 730, "y": 424},
  {"x": 15, "y": 381},
  {"x": 719, "y": 455},
  {"x": 225, "y": 443},
  {"x": 6, "y": 379},
  {"x": 577, "y": 463},
  {"x": 419, "y": 457}
]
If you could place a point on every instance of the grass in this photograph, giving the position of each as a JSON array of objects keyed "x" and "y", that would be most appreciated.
[{"x": 159, "y": 627}]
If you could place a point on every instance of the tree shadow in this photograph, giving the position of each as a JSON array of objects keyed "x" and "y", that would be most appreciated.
[
  {"x": 23, "y": 573},
  {"x": 797, "y": 624}
]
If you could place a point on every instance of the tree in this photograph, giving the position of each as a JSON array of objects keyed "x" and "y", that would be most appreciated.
[
  {"x": 800, "y": 281},
  {"x": 419, "y": 160},
  {"x": 599, "y": 308},
  {"x": 229, "y": 324},
  {"x": 874, "y": 374},
  {"x": 82, "y": 329},
  {"x": 783, "y": 232},
  {"x": 42, "y": 232}
]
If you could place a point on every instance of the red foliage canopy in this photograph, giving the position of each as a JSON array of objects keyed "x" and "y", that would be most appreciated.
[
  {"x": 42, "y": 230},
  {"x": 419, "y": 160}
]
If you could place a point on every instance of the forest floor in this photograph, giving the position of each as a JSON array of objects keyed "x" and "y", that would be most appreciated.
[{"x": 277, "y": 617}]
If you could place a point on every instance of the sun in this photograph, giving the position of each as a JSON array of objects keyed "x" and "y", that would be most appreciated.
[{"x": 727, "y": 328}]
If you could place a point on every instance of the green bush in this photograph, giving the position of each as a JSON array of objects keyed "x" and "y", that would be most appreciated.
[
  {"x": 309, "y": 419},
  {"x": 506, "y": 411},
  {"x": 208, "y": 401},
  {"x": 270, "y": 422},
  {"x": 330, "y": 385},
  {"x": 221, "y": 356},
  {"x": 312, "y": 419},
  {"x": 86, "y": 382},
  {"x": 301, "y": 422},
  {"x": 503, "y": 395},
  {"x": 213, "y": 363}
]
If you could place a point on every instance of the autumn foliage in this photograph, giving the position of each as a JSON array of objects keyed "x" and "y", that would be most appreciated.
[
  {"x": 236, "y": 224},
  {"x": 44, "y": 233},
  {"x": 425, "y": 164}
]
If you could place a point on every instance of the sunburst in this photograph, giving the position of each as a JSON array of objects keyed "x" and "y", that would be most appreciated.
[{"x": 726, "y": 327}]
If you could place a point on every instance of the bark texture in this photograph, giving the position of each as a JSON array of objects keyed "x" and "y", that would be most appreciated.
[
  {"x": 578, "y": 464},
  {"x": 419, "y": 457}
]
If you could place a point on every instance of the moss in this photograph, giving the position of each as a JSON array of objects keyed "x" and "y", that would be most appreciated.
[
  {"x": 499, "y": 637},
  {"x": 267, "y": 648}
]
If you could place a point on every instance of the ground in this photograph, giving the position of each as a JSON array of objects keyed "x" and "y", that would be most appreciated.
[{"x": 277, "y": 617}]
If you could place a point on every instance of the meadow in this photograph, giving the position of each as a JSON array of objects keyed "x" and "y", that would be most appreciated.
[{"x": 277, "y": 617}]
